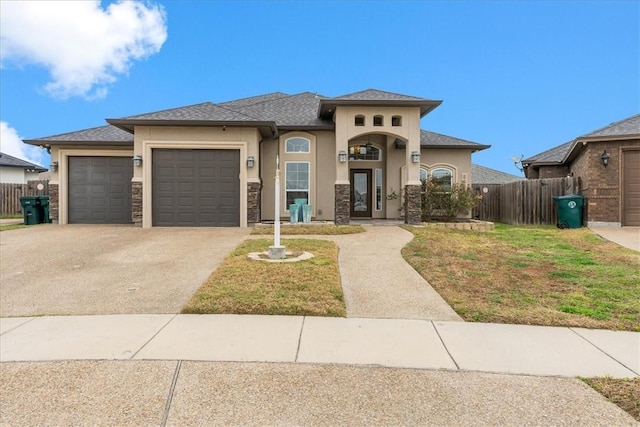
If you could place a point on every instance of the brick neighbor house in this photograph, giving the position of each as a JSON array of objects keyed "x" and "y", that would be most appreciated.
[{"x": 607, "y": 161}]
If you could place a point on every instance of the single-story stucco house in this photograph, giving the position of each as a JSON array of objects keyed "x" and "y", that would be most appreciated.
[
  {"x": 18, "y": 171},
  {"x": 607, "y": 161},
  {"x": 215, "y": 164}
]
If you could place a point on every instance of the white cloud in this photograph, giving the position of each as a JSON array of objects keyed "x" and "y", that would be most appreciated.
[
  {"x": 11, "y": 144},
  {"x": 83, "y": 46}
]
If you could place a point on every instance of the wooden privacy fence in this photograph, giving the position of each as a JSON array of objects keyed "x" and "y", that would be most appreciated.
[
  {"x": 10, "y": 195},
  {"x": 526, "y": 202}
]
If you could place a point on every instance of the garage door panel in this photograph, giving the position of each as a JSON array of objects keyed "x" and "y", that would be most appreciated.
[
  {"x": 99, "y": 190},
  {"x": 631, "y": 188},
  {"x": 201, "y": 187}
]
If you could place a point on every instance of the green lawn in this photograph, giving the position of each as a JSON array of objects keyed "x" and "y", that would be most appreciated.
[
  {"x": 244, "y": 286},
  {"x": 531, "y": 275}
]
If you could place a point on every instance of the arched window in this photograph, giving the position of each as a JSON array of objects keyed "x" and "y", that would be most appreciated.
[
  {"x": 396, "y": 121},
  {"x": 442, "y": 177},
  {"x": 297, "y": 145},
  {"x": 359, "y": 120},
  {"x": 378, "y": 120}
]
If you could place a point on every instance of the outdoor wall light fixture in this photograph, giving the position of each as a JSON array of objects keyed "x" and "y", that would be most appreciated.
[
  {"x": 342, "y": 156},
  {"x": 415, "y": 157},
  {"x": 251, "y": 162},
  {"x": 54, "y": 166},
  {"x": 137, "y": 161},
  {"x": 604, "y": 158}
]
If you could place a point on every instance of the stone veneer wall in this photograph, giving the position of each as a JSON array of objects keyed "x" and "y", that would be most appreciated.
[
  {"x": 343, "y": 202},
  {"x": 412, "y": 204},
  {"x": 136, "y": 203},
  {"x": 54, "y": 203},
  {"x": 253, "y": 203}
]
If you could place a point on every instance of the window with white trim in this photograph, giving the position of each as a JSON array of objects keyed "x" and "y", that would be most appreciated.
[
  {"x": 443, "y": 177},
  {"x": 297, "y": 145},
  {"x": 297, "y": 182},
  {"x": 378, "y": 189}
]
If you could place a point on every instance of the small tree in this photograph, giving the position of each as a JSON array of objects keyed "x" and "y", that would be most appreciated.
[{"x": 439, "y": 201}]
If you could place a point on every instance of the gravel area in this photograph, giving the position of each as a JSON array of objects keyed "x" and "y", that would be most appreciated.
[
  {"x": 208, "y": 393},
  {"x": 78, "y": 269}
]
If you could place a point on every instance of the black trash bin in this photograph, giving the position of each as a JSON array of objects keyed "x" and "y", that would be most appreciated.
[
  {"x": 569, "y": 210},
  {"x": 44, "y": 212},
  {"x": 31, "y": 210}
]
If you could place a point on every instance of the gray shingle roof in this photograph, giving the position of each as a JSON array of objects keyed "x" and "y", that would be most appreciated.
[
  {"x": 628, "y": 126},
  {"x": 294, "y": 110},
  {"x": 553, "y": 155},
  {"x": 206, "y": 111},
  {"x": 377, "y": 95},
  {"x": 13, "y": 162},
  {"x": 243, "y": 102},
  {"x": 99, "y": 134},
  {"x": 437, "y": 140},
  {"x": 484, "y": 175}
]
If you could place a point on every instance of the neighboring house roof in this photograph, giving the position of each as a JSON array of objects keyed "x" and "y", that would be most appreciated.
[
  {"x": 628, "y": 128},
  {"x": 554, "y": 155},
  {"x": 13, "y": 162},
  {"x": 484, "y": 175}
]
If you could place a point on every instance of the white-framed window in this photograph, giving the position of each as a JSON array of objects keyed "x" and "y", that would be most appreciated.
[
  {"x": 379, "y": 186},
  {"x": 442, "y": 176},
  {"x": 297, "y": 144},
  {"x": 297, "y": 181}
]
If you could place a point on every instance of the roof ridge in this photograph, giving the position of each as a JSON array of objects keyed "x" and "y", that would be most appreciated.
[{"x": 75, "y": 131}]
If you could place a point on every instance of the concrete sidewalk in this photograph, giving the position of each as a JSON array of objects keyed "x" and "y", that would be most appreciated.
[{"x": 420, "y": 344}]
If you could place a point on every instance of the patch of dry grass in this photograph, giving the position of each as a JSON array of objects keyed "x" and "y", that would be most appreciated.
[
  {"x": 623, "y": 392},
  {"x": 319, "y": 230},
  {"x": 531, "y": 275},
  {"x": 243, "y": 286}
]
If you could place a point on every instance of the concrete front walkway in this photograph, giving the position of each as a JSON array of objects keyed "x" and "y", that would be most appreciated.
[{"x": 378, "y": 283}]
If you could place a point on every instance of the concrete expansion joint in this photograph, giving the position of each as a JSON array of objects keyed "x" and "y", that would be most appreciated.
[{"x": 604, "y": 352}]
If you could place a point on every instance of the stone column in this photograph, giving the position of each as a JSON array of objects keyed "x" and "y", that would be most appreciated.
[
  {"x": 412, "y": 205},
  {"x": 54, "y": 203},
  {"x": 136, "y": 203},
  {"x": 253, "y": 203},
  {"x": 343, "y": 204}
]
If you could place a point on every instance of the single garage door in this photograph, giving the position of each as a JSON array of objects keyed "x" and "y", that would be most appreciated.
[
  {"x": 631, "y": 188},
  {"x": 194, "y": 188},
  {"x": 100, "y": 190}
]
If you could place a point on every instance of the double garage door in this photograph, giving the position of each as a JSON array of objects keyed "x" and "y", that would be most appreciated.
[{"x": 190, "y": 188}]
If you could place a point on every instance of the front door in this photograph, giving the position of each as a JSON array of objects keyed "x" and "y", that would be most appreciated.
[{"x": 361, "y": 193}]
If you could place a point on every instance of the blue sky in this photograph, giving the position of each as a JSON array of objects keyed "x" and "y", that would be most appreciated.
[{"x": 521, "y": 76}]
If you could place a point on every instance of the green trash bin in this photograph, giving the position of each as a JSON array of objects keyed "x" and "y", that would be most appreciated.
[
  {"x": 30, "y": 209},
  {"x": 44, "y": 212},
  {"x": 569, "y": 210}
]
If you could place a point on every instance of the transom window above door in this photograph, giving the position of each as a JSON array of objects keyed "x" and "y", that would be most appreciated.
[
  {"x": 297, "y": 145},
  {"x": 365, "y": 152}
]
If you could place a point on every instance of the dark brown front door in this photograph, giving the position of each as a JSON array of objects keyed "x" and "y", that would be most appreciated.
[{"x": 361, "y": 193}]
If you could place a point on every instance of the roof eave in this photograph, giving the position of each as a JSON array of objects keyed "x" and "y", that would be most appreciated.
[
  {"x": 266, "y": 128},
  {"x": 426, "y": 106},
  {"x": 608, "y": 138},
  {"x": 50, "y": 142}
]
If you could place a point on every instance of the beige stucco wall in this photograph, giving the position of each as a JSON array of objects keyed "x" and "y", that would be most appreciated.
[
  {"x": 10, "y": 175},
  {"x": 322, "y": 170}
]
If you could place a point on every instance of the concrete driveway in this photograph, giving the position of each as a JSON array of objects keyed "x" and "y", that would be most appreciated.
[{"x": 82, "y": 269}]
